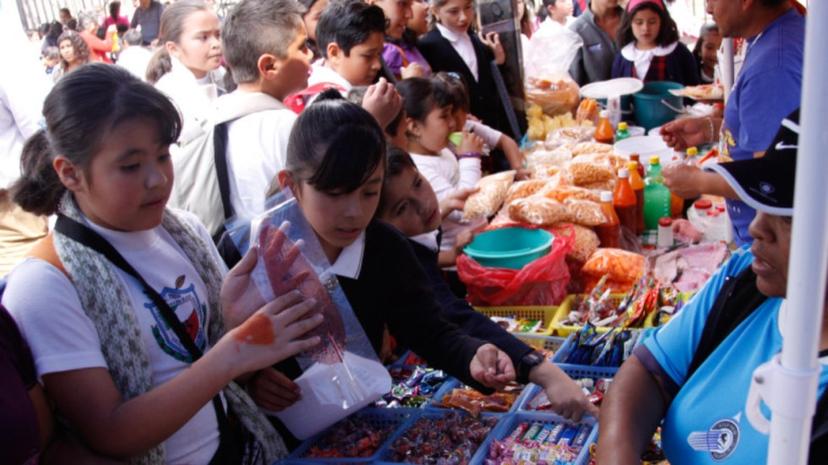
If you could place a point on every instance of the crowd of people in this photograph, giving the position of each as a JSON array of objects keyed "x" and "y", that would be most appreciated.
[{"x": 350, "y": 105}]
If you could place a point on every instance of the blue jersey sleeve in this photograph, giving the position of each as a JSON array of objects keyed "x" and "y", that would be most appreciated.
[
  {"x": 764, "y": 101},
  {"x": 673, "y": 345}
]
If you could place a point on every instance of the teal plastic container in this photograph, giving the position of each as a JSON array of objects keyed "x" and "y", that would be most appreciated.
[
  {"x": 509, "y": 247},
  {"x": 649, "y": 111}
]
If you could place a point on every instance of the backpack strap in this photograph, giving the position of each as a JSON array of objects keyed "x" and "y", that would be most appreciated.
[
  {"x": 44, "y": 249},
  {"x": 222, "y": 172},
  {"x": 737, "y": 299},
  {"x": 298, "y": 101}
]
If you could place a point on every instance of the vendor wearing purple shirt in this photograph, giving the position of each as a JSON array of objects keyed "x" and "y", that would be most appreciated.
[{"x": 767, "y": 89}]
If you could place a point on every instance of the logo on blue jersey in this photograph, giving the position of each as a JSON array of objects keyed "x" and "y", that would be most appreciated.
[{"x": 720, "y": 440}]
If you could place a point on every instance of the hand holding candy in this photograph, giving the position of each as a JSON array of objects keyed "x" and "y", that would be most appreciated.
[
  {"x": 565, "y": 397},
  {"x": 491, "y": 367}
]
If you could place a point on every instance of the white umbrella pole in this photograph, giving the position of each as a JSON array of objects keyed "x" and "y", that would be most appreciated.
[
  {"x": 793, "y": 395},
  {"x": 726, "y": 67}
]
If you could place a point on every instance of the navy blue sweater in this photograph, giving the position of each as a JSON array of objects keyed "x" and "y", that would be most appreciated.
[{"x": 461, "y": 313}]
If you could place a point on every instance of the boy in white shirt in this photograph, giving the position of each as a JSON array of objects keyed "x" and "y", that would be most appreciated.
[{"x": 265, "y": 46}]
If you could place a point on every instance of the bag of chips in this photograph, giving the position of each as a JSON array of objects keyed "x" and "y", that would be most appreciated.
[
  {"x": 490, "y": 196},
  {"x": 523, "y": 189},
  {"x": 584, "y": 212},
  {"x": 538, "y": 210},
  {"x": 622, "y": 267},
  {"x": 587, "y": 172}
]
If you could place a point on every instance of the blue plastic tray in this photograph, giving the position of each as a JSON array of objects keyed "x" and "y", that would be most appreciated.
[
  {"x": 378, "y": 417},
  {"x": 477, "y": 457},
  {"x": 510, "y": 422}
]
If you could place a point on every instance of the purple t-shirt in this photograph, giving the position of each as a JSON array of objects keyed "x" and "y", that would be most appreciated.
[
  {"x": 399, "y": 55},
  {"x": 19, "y": 437},
  {"x": 767, "y": 90}
]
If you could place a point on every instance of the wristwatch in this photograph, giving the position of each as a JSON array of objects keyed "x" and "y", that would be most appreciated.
[{"x": 525, "y": 365}]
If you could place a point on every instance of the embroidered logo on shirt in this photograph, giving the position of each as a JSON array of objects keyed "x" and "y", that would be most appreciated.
[
  {"x": 190, "y": 311},
  {"x": 720, "y": 440}
]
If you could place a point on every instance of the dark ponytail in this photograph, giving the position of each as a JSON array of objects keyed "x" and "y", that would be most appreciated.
[
  {"x": 79, "y": 111},
  {"x": 38, "y": 190}
]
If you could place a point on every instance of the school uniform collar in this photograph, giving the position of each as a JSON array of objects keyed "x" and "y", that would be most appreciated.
[
  {"x": 322, "y": 73},
  {"x": 349, "y": 262},
  {"x": 630, "y": 52},
  {"x": 450, "y": 35},
  {"x": 428, "y": 240}
]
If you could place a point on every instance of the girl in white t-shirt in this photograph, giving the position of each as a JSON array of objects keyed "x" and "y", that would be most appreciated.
[
  {"x": 429, "y": 121},
  {"x": 105, "y": 344},
  {"x": 187, "y": 66}
]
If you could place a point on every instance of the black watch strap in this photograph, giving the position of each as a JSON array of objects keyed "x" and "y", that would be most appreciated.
[{"x": 527, "y": 362}]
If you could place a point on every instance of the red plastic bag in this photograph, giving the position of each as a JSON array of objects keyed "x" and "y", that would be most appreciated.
[{"x": 541, "y": 282}]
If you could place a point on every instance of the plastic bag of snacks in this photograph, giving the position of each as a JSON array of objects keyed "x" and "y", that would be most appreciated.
[
  {"x": 584, "y": 240},
  {"x": 538, "y": 210},
  {"x": 608, "y": 185},
  {"x": 554, "y": 97},
  {"x": 559, "y": 156},
  {"x": 523, "y": 189},
  {"x": 584, "y": 212},
  {"x": 342, "y": 374},
  {"x": 490, "y": 196},
  {"x": 563, "y": 193},
  {"x": 624, "y": 268},
  {"x": 584, "y": 148},
  {"x": 568, "y": 135},
  {"x": 586, "y": 172},
  {"x": 541, "y": 282},
  {"x": 588, "y": 110},
  {"x": 545, "y": 171}
]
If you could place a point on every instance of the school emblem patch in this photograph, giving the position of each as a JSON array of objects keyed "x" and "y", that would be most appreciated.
[
  {"x": 189, "y": 309},
  {"x": 720, "y": 440}
]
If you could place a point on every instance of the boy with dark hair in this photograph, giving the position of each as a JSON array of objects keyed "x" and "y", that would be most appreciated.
[{"x": 350, "y": 36}]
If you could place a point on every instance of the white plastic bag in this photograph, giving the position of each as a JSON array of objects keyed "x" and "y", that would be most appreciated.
[{"x": 551, "y": 51}]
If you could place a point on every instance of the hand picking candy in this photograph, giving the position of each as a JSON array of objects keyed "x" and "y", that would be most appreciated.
[
  {"x": 352, "y": 437},
  {"x": 536, "y": 442},
  {"x": 594, "y": 390},
  {"x": 413, "y": 387},
  {"x": 449, "y": 440},
  {"x": 474, "y": 402}
]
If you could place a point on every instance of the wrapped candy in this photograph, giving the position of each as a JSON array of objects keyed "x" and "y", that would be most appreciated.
[
  {"x": 350, "y": 438},
  {"x": 450, "y": 439}
]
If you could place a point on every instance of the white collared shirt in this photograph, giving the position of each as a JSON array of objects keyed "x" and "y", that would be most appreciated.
[
  {"x": 321, "y": 73},
  {"x": 349, "y": 262},
  {"x": 642, "y": 58},
  {"x": 463, "y": 46}
]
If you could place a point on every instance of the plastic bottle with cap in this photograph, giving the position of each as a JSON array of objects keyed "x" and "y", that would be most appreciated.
[
  {"x": 697, "y": 215},
  {"x": 637, "y": 184},
  {"x": 604, "y": 132},
  {"x": 609, "y": 233},
  {"x": 657, "y": 200},
  {"x": 624, "y": 201},
  {"x": 623, "y": 131},
  {"x": 665, "y": 233},
  {"x": 640, "y": 168}
]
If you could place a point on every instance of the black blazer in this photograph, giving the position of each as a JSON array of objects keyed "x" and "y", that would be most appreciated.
[{"x": 483, "y": 96}]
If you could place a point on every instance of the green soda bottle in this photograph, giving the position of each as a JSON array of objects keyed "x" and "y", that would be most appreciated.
[
  {"x": 656, "y": 196},
  {"x": 623, "y": 131}
]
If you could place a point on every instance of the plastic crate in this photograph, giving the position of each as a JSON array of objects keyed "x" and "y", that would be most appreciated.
[
  {"x": 376, "y": 417},
  {"x": 566, "y": 349},
  {"x": 566, "y": 307},
  {"x": 509, "y": 423},
  {"x": 457, "y": 384},
  {"x": 545, "y": 314},
  {"x": 551, "y": 344},
  {"x": 384, "y": 455},
  {"x": 573, "y": 371}
]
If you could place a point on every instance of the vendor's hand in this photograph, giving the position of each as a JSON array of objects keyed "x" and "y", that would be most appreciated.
[
  {"x": 565, "y": 397},
  {"x": 273, "y": 391},
  {"x": 471, "y": 143},
  {"x": 492, "y": 40},
  {"x": 272, "y": 334},
  {"x": 412, "y": 70},
  {"x": 683, "y": 179},
  {"x": 686, "y": 132},
  {"x": 491, "y": 367},
  {"x": 383, "y": 102},
  {"x": 456, "y": 201}
]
